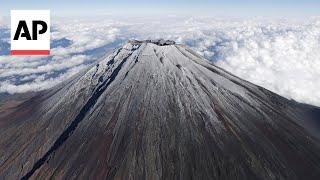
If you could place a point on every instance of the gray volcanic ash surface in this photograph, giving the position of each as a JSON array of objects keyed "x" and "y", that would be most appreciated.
[{"x": 157, "y": 110}]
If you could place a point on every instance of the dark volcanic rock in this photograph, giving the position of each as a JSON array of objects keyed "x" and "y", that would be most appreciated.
[
  {"x": 157, "y": 110},
  {"x": 159, "y": 42}
]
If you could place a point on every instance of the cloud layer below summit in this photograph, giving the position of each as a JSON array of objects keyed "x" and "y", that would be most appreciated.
[{"x": 280, "y": 55}]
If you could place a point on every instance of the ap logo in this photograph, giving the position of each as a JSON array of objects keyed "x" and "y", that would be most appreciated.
[{"x": 30, "y": 32}]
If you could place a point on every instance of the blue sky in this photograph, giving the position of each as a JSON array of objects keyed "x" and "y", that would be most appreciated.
[{"x": 191, "y": 7}]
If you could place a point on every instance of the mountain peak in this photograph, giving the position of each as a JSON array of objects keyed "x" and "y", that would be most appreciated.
[{"x": 159, "y": 42}]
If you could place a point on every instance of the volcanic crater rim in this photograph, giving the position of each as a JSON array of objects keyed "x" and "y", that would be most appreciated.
[{"x": 159, "y": 42}]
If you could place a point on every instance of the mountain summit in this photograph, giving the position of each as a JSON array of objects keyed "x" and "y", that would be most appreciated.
[{"x": 158, "y": 110}]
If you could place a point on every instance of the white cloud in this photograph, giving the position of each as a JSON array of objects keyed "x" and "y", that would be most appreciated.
[
  {"x": 280, "y": 55},
  {"x": 39, "y": 83},
  {"x": 285, "y": 60},
  {"x": 56, "y": 64}
]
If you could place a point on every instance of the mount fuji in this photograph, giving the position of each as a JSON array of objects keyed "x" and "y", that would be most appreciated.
[{"x": 155, "y": 109}]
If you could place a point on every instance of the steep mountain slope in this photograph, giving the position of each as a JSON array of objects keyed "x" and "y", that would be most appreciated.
[{"x": 157, "y": 110}]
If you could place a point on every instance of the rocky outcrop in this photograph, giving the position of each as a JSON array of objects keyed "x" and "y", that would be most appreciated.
[{"x": 159, "y": 42}]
